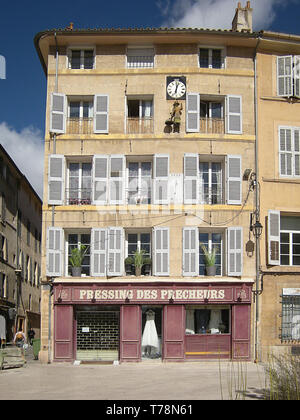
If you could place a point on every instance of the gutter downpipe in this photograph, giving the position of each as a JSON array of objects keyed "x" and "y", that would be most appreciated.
[{"x": 257, "y": 210}]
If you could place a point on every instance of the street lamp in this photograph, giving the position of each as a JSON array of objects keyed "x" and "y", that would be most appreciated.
[{"x": 257, "y": 229}]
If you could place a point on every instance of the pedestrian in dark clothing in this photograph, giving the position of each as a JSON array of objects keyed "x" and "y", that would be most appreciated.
[{"x": 31, "y": 335}]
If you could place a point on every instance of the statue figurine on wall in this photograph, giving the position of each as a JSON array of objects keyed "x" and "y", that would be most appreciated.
[{"x": 175, "y": 119}]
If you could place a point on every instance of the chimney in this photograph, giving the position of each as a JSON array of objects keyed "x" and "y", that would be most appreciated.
[{"x": 242, "y": 20}]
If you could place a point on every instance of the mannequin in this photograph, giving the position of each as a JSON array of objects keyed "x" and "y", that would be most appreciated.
[
  {"x": 150, "y": 338},
  {"x": 215, "y": 319}
]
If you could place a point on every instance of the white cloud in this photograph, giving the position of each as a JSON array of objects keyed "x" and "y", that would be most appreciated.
[
  {"x": 215, "y": 14},
  {"x": 26, "y": 149}
]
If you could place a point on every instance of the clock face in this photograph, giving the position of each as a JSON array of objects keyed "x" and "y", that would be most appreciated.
[{"x": 176, "y": 88}]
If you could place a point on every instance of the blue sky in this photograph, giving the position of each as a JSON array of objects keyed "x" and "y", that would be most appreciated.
[{"x": 22, "y": 93}]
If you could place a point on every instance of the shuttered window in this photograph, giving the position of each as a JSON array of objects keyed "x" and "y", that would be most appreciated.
[
  {"x": 115, "y": 242},
  {"x": 190, "y": 247},
  {"x": 54, "y": 252},
  {"x": 234, "y": 179},
  {"x": 234, "y": 251},
  {"x": 98, "y": 252},
  {"x": 193, "y": 113},
  {"x": 191, "y": 178},
  {"x": 101, "y": 110},
  {"x": 58, "y": 109},
  {"x": 56, "y": 175},
  {"x": 289, "y": 151},
  {"x": 100, "y": 179},
  {"x": 140, "y": 58},
  {"x": 288, "y": 75},
  {"x": 161, "y": 251},
  {"x": 161, "y": 177},
  {"x": 117, "y": 179},
  {"x": 234, "y": 114}
]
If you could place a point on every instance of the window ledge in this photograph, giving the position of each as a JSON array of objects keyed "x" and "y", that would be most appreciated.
[
  {"x": 153, "y": 279},
  {"x": 292, "y": 180}
]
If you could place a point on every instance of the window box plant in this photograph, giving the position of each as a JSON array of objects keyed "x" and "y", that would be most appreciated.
[
  {"x": 129, "y": 263},
  {"x": 76, "y": 258},
  {"x": 210, "y": 260}
]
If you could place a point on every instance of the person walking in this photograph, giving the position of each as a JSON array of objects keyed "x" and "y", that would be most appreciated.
[
  {"x": 20, "y": 341},
  {"x": 31, "y": 335}
]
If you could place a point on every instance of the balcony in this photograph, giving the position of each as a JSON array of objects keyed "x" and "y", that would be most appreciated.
[
  {"x": 138, "y": 125},
  {"x": 212, "y": 125},
  {"x": 78, "y": 196},
  {"x": 80, "y": 126}
]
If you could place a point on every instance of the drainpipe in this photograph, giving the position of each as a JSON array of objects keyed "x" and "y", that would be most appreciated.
[{"x": 257, "y": 210}]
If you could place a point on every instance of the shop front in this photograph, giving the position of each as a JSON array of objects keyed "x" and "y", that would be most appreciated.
[{"x": 165, "y": 321}]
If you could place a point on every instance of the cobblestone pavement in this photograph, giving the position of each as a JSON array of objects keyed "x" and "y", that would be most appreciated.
[{"x": 151, "y": 380}]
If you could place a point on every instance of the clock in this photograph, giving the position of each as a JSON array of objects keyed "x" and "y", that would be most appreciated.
[{"x": 176, "y": 87}]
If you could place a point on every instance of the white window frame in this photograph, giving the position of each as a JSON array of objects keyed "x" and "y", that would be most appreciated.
[
  {"x": 69, "y": 161},
  {"x": 66, "y": 233},
  {"x": 141, "y": 99},
  {"x": 210, "y": 48},
  {"x": 140, "y": 47},
  {"x": 210, "y": 161},
  {"x": 139, "y": 161},
  {"x": 137, "y": 232},
  {"x": 81, "y": 100},
  {"x": 293, "y": 153},
  {"x": 80, "y": 48},
  {"x": 293, "y": 76},
  {"x": 210, "y": 243}
]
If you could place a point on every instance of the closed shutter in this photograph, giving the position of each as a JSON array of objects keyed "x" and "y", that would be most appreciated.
[
  {"x": 235, "y": 251},
  {"x": 100, "y": 179},
  {"x": 285, "y": 75},
  {"x": 296, "y": 71},
  {"x": 234, "y": 179},
  {"x": 161, "y": 178},
  {"x": 117, "y": 179},
  {"x": 190, "y": 257},
  {"x": 101, "y": 106},
  {"x": 98, "y": 252},
  {"x": 115, "y": 251},
  {"x": 56, "y": 174},
  {"x": 296, "y": 152},
  {"x": 161, "y": 251},
  {"x": 234, "y": 114},
  {"x": 58, "y": 113},
  {"x": 54, "y": 252},
  {"x": 191, "y": 164},
  {"x": 274, "y": 237},
  {"x": 193, "y": 113}
]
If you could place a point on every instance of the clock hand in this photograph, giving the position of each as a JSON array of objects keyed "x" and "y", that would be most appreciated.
[{"x": 176, "y": 87}]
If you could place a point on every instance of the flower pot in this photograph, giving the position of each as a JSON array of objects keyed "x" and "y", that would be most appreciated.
[
  {"x": 138, "y": 271},
  {"x": 128, "y": 269},
  {"x": 147, "y": 269},
  {"x": 76, "y": 271},
  {"x": 211, "y": 270}
]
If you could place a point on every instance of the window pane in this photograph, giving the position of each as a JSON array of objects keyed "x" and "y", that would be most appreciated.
[
  {"x": 75, "y": 59},
  {"x": 216, "y": 110},
  {"x": 86, "y": 109},
  {"x": 216, "y": 59},
  {"x": 203, "y": 109},
  {"x": 204, "y": 57},
  {"x": 74, "y": 109},
  {"x": 88, "y": 59},
  {"x": 132, "y": 238}
]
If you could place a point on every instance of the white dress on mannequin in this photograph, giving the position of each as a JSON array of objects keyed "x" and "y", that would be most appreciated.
[
  {"x": 150, "y": 337},
  {"x": 215, "y": 320}
]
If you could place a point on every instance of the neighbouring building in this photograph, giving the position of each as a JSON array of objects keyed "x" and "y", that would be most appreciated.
[
  {"x": 149, "y": 145},
  {"x": 278, "y": 101},
  {"x": 20, "y": 251}
]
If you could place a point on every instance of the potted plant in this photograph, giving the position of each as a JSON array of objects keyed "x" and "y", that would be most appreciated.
[
  {"x": 77, "y": 255},
  {"x": 147, "y": 265},
  {"x": 129, "y": 261},
  {"x": 210, "y": 260},
  {"x": 138, "y": 261}
]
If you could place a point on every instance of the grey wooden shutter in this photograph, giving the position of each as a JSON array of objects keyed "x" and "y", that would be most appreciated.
[
  {"x": 190, "y": 257},
  {"x": 161, "y": 179},
  {"x": 235, "y": 251},
  {"x": 191, "y": 182},
  {"x": 274, "y": 237},
  {"x": 100, "y": 179},
  {"x": 58, "y": 113},
  {"x": 285, "y": 75},
  {"x": 98, "y": 252},
  {"x": 296, "y": 73},
  {"x": 56, "y": 175},
  {"x": 117, "y": 179},
  {"x": 161, "y": 251},
  {"x": 193, "y": 113},
  {"x": 234, "y": 114},
  {"x": 101, "y": 107},
  {"x": 234, "y": 179},
  {"x": 285, "y": 151},
  {"x": 54, "y": 252},
  {"x": 115, "y": 251}
]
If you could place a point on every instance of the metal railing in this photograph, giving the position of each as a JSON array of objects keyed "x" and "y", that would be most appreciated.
[
  {"x": 139, "y": 125},
  {"x": 212, "y": 125},
  {"x": 80, "y": 126},
  {"x": 78, "y": 196}
]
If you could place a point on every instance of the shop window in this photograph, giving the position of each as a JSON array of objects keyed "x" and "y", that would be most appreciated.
[
  {"x": 75, "y": 240},
  {"x": 290, "y": 324},
  {"x": 207, "y": 320},
  {"x": 151, "y": 332}
]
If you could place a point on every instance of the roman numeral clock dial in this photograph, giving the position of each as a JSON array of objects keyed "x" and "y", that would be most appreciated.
[{"x": 176, "y": 87}]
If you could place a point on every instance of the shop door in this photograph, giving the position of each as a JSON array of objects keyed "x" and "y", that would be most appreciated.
[{"x": 97, "y": 336}]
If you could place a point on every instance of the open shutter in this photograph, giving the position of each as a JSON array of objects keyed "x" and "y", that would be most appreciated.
[
  {"x": 98, "y": 252},
  {"x": 234, "y": 114},
  {"x": 101, "y": 106},
  {"x": 234, "y": 179},
  {"x": 100, "y": 179},
  {"x": 117, "y": 179},
  {"x": 285, "y": 75},
  {"x": 190, "y": 251},
  {"x": 191, "y": 183},
  {"x": 56, "y": 174},
  {"x": 274, "y": 237},
  {"x": 161, "y": 251},
  {"x": 115, "y": 251},
  {"x": 161, "y": 177},
  {"x": 193, "y": 113},
  {"x": 235, "y": 251},
  {"x": 58, "y": 113},
  {"x": 296, "y": 71},
  {"x": 54, "y": 252}
]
